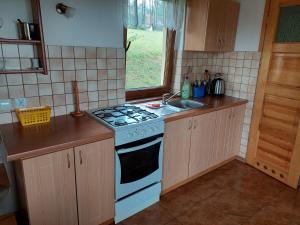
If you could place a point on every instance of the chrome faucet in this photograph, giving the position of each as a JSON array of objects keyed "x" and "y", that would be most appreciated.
[{"x": 165, "y": 99}]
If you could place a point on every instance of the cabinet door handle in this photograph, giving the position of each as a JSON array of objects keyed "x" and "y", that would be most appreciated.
[
  {"x": 219, "y": 44},
  {"x": 195, "y": 124},
  {"x": 80, "y": 157},
  {"x": 69, "y": 161},
  {"x": 190, "y": 124},
  {"x": 223, "y": 44}
]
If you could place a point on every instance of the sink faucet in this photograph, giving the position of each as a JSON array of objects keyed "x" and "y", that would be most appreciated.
[{"x": 165, "y": 99}]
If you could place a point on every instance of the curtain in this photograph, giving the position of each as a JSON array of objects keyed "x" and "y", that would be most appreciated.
[{"x": 153, "y": 14}]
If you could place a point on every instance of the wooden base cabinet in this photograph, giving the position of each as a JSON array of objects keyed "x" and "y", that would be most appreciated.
[
  {"x": 176, "y": 152},
  {"x": 73, "y": 186},
  {"x": 95, "y": 182},
  {"x": 202, "y": 154},
  {"x": 51, "y": 189},
  {"x": 195, "y": 145}
]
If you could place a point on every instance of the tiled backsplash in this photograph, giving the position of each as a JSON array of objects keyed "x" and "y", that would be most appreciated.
[
  {"x": 240, "y": 71},
  {"x": 100, "y": 73}
]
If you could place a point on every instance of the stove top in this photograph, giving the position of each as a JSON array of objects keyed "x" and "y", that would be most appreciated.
[{"x": 124, "y": 115}]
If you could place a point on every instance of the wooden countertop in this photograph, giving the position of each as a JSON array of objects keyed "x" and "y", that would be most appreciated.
[
  {"x": 61, "y": 133},
  {"x": 213, "y": 104}
]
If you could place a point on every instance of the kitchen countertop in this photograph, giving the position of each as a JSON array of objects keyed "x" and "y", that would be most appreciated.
[
  {"x": 66, "y": 132},
  {"x": 61, "y": 133},
  {"x": 213, "y": 104}
]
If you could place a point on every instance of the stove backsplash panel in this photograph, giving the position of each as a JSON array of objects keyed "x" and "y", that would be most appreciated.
[{"x": 100, "y": 73}]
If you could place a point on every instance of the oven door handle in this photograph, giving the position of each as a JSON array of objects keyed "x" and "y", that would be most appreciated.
[{"x": 140, "y": 147}]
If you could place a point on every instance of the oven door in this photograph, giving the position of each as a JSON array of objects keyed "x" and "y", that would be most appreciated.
[{"x": 138, "y": 165}]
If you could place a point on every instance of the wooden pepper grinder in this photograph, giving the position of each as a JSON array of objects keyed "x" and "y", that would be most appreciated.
[{"x": 77, "y": 112}]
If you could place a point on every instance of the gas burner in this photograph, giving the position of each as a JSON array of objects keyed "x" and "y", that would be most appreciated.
[{"x": 124, "y": 115}]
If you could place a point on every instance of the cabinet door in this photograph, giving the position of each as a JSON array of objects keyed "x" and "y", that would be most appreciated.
[
  {"x": 222, "y": 139},
  {"x": 50, "y": 189},
  {"x": 214, "y": 27},
  {"x": 229, "y": 25},
  {"x": 95, "y": 182},
  {"x": 176, "y": 152},
  {"x": 238, "y": 114},
  {"x": 195, "y": 24},
  {"x": 202, "y": 155}
]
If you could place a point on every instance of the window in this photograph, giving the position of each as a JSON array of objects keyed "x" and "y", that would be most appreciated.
[
  {"x": 149, "y": 50},
  {"x": 145, "y": 59}
]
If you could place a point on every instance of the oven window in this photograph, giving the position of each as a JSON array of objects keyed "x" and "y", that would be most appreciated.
[{"x": 139, "y": 164}]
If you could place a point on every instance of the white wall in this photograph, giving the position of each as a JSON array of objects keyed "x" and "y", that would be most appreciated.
[
  {"x": 10, "y": 11},
  {"x": 96, "y": 22},
  {"x": 249, "y": 25}
]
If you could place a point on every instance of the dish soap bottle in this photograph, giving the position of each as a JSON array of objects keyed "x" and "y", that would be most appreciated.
[{"x": 186, "y": 88}]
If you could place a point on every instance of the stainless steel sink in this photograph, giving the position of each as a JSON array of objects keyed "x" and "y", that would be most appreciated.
[{"x": 186, "y": 104}]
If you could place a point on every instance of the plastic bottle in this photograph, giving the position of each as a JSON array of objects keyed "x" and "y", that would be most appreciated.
[{"x": 186, "y": 88}]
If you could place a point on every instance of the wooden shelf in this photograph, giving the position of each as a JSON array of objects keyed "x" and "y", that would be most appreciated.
[
  {"x": 18, "y": 41},
  {"x": 22, "y": 71},
  {"x": 40, "y": 44}
]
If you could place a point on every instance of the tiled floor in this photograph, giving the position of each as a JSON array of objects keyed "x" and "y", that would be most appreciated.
[{"x": 235, "y": 194}]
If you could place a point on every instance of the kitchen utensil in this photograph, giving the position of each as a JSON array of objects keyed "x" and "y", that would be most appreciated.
[
  {"x": 77, "y": 112},
  {"x": 23, "y": 29},
  {"x": 35, "y": 64},
  {"x": 33, "y": 29},
  {"x": 218, "y": 85},
  {"x": 2, "y": 64}
]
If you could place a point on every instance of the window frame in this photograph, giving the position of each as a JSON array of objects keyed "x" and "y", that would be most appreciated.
[{"x": 152, "y": 92}]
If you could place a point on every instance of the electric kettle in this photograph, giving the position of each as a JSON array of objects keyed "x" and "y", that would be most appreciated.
[{"x": 218, "y": 85}]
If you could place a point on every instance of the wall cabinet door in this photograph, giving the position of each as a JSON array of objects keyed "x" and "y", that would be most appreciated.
[
  {"x": 51, "y": 189},
  {"x": 95, "y": 182},
  {"x": 214, "y": 27},
  {"x": 176, "y": 152},
  {"x": 211, "y": 25},
  {"x": 202, "y": 154},
  {"x": 229, "y": 25}
]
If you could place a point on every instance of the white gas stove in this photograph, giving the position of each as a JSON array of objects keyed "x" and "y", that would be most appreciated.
[{"x": 138, "y": 156}]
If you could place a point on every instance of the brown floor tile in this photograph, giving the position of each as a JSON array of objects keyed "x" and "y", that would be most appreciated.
[
  {"x": 235, "y": 194},
  {"x": 205, "y": 214},
  {"x": 271, "y": 216},
  {"x": 178, "y": 201},
  {"x": 174, "y": 222},
  {"x": 153, "y": 215}
]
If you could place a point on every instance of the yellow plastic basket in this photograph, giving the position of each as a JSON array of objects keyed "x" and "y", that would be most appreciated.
[{"x": 34, "y": 115}]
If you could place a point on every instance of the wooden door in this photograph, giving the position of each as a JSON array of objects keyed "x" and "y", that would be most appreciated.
[
  {"x": 95, "y": 182},
  {"x": 235, "y": 131},
  {"x": 177, "y": 140},
  {"x": 229, "y": 25},
  {"x": 274, "y": 144},
  {"x": 202, "y": 155},
  {"x": 51, "y": 189},
  {"x": 214, "y": 29},
  {"x": 221, "y": 143}
]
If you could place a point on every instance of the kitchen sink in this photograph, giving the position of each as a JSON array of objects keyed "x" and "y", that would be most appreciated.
[{"x": 186, "y": 104}]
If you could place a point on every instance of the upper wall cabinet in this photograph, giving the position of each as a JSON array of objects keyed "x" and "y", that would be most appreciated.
[{"x": 211, "y": 25}]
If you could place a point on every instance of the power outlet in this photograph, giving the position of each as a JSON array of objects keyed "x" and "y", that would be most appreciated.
[
  {"x": 20, "y": 102},
  {"x": 5, "y": 105}
]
